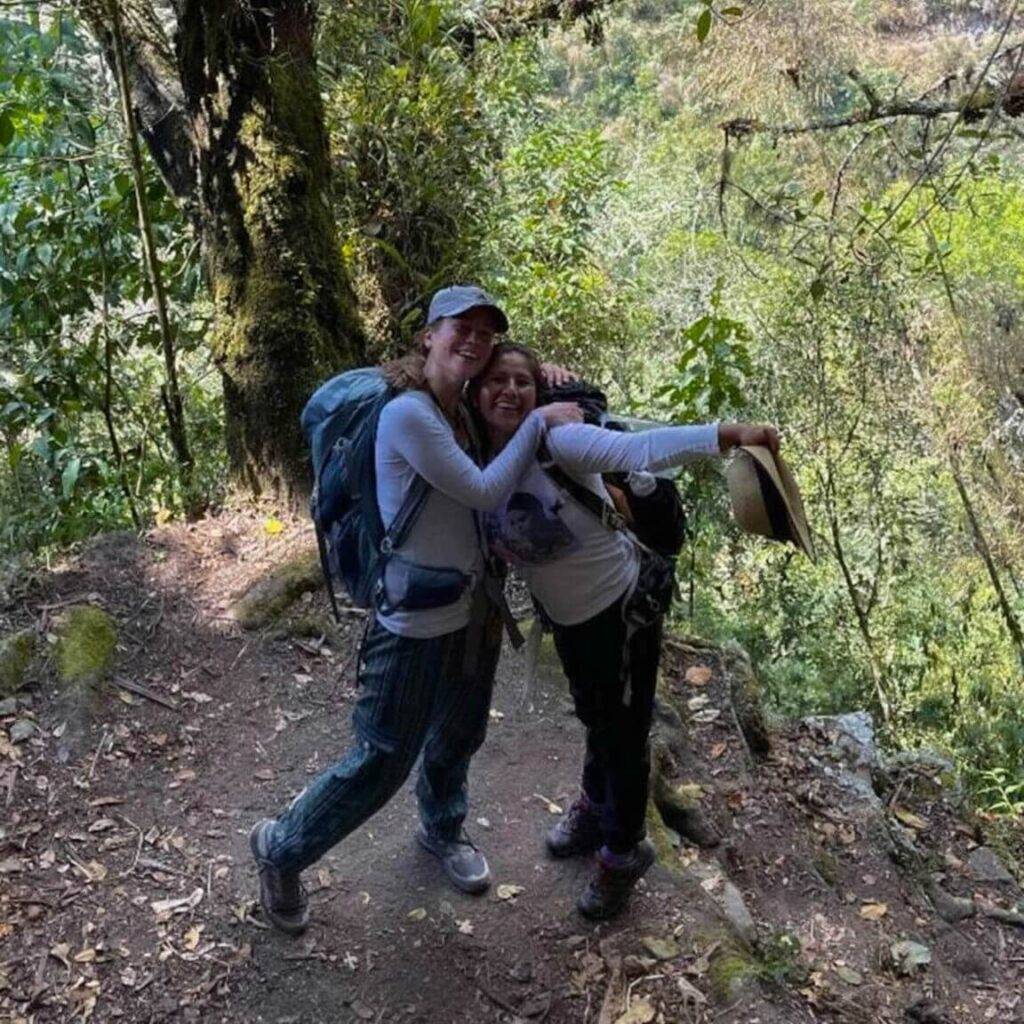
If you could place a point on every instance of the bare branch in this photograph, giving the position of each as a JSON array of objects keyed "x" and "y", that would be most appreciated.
[{"x": 981, "y": 100}]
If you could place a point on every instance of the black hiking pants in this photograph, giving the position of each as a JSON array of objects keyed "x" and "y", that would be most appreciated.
[{"x": 615, "y": 702}]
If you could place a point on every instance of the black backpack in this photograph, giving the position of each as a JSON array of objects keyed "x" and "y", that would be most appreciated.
[{"x": 658, "y": 518}]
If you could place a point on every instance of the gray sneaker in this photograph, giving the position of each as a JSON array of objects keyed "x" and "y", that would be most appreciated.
[
  {"x": 463, "y": 863},
  {"x": 282, "y": 897}
]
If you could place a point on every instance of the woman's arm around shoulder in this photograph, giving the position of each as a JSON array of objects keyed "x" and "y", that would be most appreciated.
[{"x": 412, "y": 428}]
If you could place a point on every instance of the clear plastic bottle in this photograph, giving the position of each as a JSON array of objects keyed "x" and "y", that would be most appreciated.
[{"x": 641, "y": 484}]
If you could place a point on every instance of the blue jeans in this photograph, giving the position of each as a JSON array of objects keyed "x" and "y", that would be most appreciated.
[{"x": 429, "y": 697}]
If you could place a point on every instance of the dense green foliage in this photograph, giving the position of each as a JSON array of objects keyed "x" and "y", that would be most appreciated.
[
  {"x": 860, "y": 286},
  {"x": 78, "y": 327}
]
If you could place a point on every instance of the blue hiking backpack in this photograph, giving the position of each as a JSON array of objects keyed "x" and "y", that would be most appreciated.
[{"x": 340, "y": 426}]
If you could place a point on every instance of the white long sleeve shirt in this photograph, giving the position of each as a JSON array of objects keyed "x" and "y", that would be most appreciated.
[
  {"x": 575, "y": 566},
  {"x": 414, "y": 438}
]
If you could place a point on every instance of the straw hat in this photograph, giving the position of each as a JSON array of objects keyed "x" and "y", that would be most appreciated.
[{"x": 765, "y": 498}]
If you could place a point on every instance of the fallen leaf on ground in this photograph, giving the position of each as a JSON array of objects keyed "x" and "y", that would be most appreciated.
[
  {"x": 179, "y": 904},
  {"x": 698, "y": 675},
  {"x": 507, "y": 891},
  {"x": 264, "y": 774},
  {"x": 641, "y": 1012},
  {"x": 910, "y": 818},
  {"x": 191, "y": 939},
  {"x": 849, "y": 975},
  {"x": 466, "y": 927},
  {"x": 96, "y": 871},
  {"x": 483, "y": 822},
  {"x": 418, "y": 914},
  {"x": 106, "y": 801},
  {"x": 60, "y": 952},
  {"x": 718, "y": 749},
  {"x": 692, "y": 996},
  {"x": 661, "y": 949},
  {"x": 908, "y": 956},
  {"x": 874, "y": 911},
  {"x": 198, "y": 696}
]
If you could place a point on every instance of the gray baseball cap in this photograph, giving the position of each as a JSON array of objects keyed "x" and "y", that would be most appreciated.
[{"x": 460, "y": 298}]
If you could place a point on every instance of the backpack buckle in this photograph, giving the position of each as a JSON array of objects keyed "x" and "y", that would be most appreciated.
[
  {"x": 386, "y": 546},
  {"x": 613, "y": 519}
]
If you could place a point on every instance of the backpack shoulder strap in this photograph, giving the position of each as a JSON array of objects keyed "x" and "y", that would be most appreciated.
[
  {"x": 406, "y": 516},
  {"x": 602, "y": 510}
]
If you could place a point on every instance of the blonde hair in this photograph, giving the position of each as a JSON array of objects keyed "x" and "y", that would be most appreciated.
[{"x": 407, "y": 372}]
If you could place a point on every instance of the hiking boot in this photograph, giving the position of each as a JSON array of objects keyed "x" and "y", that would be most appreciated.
[
  {"x": 282, "y": 897},
  {"x": 577, "y": 831},
  {"x": 609, "y": 889},
  {"x": 463, "y": 863}
]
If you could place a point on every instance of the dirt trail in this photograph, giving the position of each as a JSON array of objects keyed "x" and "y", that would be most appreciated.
[{"x": 126, "y": 888}]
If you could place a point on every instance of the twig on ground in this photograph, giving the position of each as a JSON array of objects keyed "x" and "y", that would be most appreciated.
[
  {"x": 99, "y": 750},
  {"x": 238, "y": 657},
  {"x": 144, "y": 691}
]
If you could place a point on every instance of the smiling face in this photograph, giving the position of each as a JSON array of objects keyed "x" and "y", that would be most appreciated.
[
  {"x": 458, "y": 347},
  {"x": 507, "y": 394}
]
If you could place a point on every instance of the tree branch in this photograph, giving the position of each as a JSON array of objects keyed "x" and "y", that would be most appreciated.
[
  {"x": 154, "y": 87},
  {"x": 972, "y": 106},
  {"x": 1012, "y": 104}
]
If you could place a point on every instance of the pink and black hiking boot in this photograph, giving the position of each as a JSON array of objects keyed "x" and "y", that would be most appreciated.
[
  {"x": 578, "y": 831},
  {"x": 616, "y": 876}
]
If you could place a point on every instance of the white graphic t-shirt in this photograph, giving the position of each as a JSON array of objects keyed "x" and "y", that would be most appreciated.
[{"x": 574, "y": 565}]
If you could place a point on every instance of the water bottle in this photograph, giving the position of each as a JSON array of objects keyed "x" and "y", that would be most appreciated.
[{"x": 641, "y": 484}]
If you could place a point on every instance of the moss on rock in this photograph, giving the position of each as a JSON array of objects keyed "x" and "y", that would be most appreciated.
[
  {"x": 662, "y": 840},
  {"x": 16, "y": 653},
  {"x": 731, "y": 970},
  {"x": 267, "y": 599},
  {"x": 309, "y": 625},
  {"x": 86, "y": 642}
]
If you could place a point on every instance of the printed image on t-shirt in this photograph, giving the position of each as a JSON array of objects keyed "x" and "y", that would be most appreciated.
[{"x": 528, "y": 529}]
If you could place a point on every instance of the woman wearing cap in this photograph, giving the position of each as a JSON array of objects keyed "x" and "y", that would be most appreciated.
[
  {"x": 425, "y": 668},
  {"x": 586, "y": 587}
]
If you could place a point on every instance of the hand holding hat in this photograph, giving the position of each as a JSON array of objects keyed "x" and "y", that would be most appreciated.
[
  {"x": 765, "y": 497},
  {"x": 741, "y": 435}
]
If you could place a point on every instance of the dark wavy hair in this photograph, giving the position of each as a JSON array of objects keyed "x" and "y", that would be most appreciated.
[
  {"x": 508, "y": 348},
  {"x": 502, "y": 348}
]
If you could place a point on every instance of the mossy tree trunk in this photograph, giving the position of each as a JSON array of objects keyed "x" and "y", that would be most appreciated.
[
  {"x": 285, "y": 316},
  {"x": 236, "y": 125}
]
